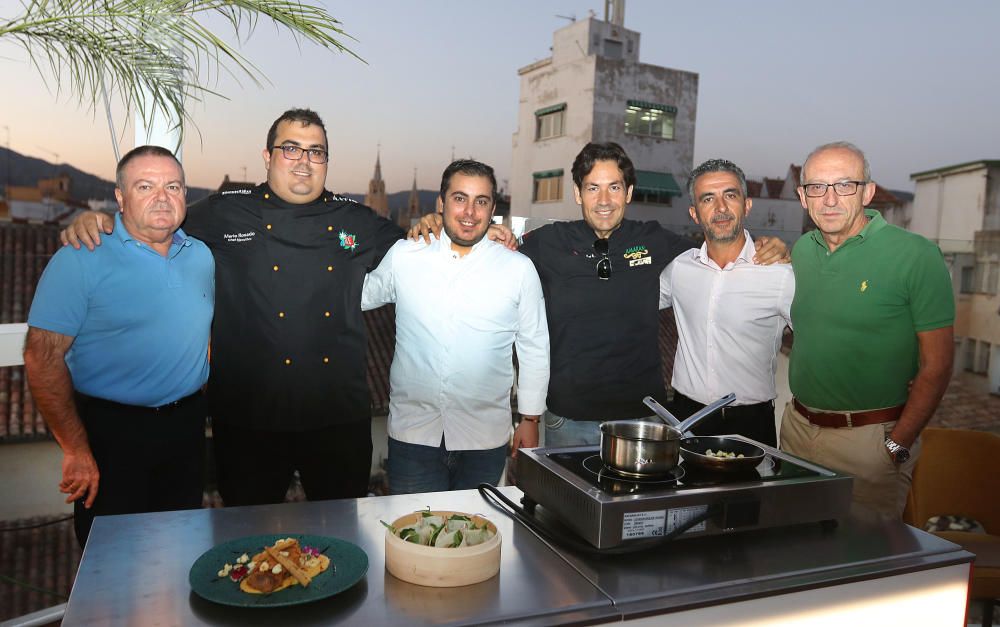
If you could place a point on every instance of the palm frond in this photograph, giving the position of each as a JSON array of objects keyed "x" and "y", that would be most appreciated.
[{"x": 155, "y": 53}]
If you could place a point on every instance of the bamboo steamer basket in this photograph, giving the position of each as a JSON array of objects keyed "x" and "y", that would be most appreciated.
[{"x": 441, "y": 567}]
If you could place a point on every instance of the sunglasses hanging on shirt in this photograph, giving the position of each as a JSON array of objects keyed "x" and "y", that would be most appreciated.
[{"x": 604, "y": 263}]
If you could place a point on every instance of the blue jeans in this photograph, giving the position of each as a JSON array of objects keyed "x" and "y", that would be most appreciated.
[
  {"x": 561, "y": 431},
  {"x": 417, "y": 468}
]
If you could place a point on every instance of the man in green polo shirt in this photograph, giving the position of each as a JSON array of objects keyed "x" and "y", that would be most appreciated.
[{"x": 873, "y": 314}]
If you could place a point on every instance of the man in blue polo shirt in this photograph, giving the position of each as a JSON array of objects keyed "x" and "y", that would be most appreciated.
[{"x": 117, "y": 352}]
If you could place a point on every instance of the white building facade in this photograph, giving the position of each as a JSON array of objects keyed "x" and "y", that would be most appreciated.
[
  {"x": 594, "y": 89},
  {"x": 959, "y": 208}
]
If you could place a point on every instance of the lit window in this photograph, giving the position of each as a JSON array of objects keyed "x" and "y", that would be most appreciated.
[
  {"x": 649, "y": 118},
  {"x": 550, "y": 121},
  {"x": 548, "y": 186}
]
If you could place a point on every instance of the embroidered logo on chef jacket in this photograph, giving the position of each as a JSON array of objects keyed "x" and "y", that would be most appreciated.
[
  {"x": 348, "y": 241},
  {"x": 245, "y": 192},
  {"x": 239, "y": 237},
  {"x": 638, "y": 256}
]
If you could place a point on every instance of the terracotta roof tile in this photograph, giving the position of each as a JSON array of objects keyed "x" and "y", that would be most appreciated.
[
  {"x": 883, "y": 197},
  {"x": 774, "y": 187},
  {"x": 754, "y": 188},
  {"x": 43, "y": 562}
]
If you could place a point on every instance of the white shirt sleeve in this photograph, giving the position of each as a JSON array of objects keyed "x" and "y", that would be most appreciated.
[
  {"x": 666, "y": 277},
  {"x": 380, "y": 284},
  {"x": 786, "y": 296},
  {"x": 532, "y": 344}
]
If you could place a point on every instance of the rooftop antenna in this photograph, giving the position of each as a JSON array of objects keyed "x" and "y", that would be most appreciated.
[
  {"x": 55, "y": 166},
  {"x": 571, "y": 18}
]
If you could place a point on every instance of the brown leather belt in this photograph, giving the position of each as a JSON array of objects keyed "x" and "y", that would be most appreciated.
[{"x": 839, "y": 420}]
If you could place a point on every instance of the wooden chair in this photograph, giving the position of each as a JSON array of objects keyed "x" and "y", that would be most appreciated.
[{"x": 958, "y": 474}]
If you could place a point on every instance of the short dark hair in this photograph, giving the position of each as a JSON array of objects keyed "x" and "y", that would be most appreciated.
[
  {"x": 717, "y": 165},
  {"x": 469, "y": 168},
  {"x": 609, "y": 151},
  {"x": 307, "y": 117},
  {"x": 142, "y": 151}
]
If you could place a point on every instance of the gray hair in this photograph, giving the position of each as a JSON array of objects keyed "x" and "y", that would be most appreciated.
[
  {"x": 717, "y": 165},
  {"x": 143, "y": 151},
  {"x": 866, "y": 173}
]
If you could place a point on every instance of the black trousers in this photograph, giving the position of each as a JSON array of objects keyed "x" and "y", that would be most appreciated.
[
  {"x": 255, "y": 467},
  {"x": 751, "y": 421},
  {"x": 150, "y": 459}
]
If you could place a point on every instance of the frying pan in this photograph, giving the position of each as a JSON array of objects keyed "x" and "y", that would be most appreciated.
[
  {"x": 693, "y": 453},
  {"x": 693, "y": 447}
]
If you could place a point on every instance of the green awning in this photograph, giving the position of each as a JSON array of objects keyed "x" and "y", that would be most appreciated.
[
  {"x": 548, "y": 174},
  {"x": 656, "y": 182},
  {"x": 552, "y": 109},
  {"x": 642, "y": 104}
]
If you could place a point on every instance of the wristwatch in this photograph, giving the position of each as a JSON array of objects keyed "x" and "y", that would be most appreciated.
[{"x": 899, "y": 453}]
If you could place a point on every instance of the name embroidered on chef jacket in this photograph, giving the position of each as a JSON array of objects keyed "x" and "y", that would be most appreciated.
[
  {"x": 638, "y": 256},
  {"x": 245, "y": 192},
  {"x": 239, "y": 237}
]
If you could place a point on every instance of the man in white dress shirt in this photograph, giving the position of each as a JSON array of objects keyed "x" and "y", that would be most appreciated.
[
  {"x": 730, "y": 312},
  {"x": 462, "y": 303}
]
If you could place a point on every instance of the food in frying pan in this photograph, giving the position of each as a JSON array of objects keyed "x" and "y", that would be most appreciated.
[{"x": 723, "y": 454}]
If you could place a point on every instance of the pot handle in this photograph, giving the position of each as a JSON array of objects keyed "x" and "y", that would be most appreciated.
[
  {"x": 696, "y": 417},
  {"x": 661, "y": 412}
]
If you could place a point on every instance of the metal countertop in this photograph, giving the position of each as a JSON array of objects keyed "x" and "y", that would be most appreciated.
[
  {"x": 135, "y": 567},
  {"x": 135, "y": 570}
]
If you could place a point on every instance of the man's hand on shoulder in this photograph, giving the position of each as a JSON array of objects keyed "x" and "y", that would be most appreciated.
[
  {"x": 430, "y": 224},
  {"x": 501, "y": 234},
  {"x": 771, "y": 250},
  {"x": 86, "y": 229}
]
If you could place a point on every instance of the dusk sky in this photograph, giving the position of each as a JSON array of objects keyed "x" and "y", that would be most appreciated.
[{"x": 913, "y": 83}]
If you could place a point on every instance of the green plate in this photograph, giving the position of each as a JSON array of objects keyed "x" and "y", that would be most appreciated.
[{"x": 348, "y": 564}]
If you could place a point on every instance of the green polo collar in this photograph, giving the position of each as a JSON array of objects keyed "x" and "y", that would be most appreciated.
[{"x": 875, "y": 224}]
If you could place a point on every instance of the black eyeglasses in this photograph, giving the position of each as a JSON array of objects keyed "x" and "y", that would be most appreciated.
[
  {"x": 294, "y": 153},
  {"x": 604, "y": 264},
  {"x": 843, "y": 188}
]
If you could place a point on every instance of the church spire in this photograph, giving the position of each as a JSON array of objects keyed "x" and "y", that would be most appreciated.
[
  {"x": 412, "y": 212},
  {"x": 376, "y": 197}
]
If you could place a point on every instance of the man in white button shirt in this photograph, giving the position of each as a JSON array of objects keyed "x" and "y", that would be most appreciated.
[
  {"x": 462, "y": 303},
  {"x": 730, "y": 312}
]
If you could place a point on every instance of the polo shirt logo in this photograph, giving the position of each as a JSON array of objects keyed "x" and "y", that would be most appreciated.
[
  {"x": 638, "y": 256},
  {"x": 239, "y": 237},
  {"x": 864, "y": 286}
]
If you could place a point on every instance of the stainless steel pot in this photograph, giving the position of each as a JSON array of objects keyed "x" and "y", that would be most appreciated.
[{"x": 640, "y": 448}]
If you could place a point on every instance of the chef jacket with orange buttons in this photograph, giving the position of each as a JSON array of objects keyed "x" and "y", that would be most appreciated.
[{"x": 289, "y": 340}]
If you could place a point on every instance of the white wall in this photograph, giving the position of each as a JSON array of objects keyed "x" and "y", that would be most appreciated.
[{"x": 948, "y": 209}]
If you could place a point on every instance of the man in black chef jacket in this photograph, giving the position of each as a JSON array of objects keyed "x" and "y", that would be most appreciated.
[{"x": 287, "y": 389}]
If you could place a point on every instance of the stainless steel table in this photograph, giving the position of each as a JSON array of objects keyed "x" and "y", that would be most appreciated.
[
  {"x": 135, "y": 570},
  {"x": 710, "y": 571}
]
